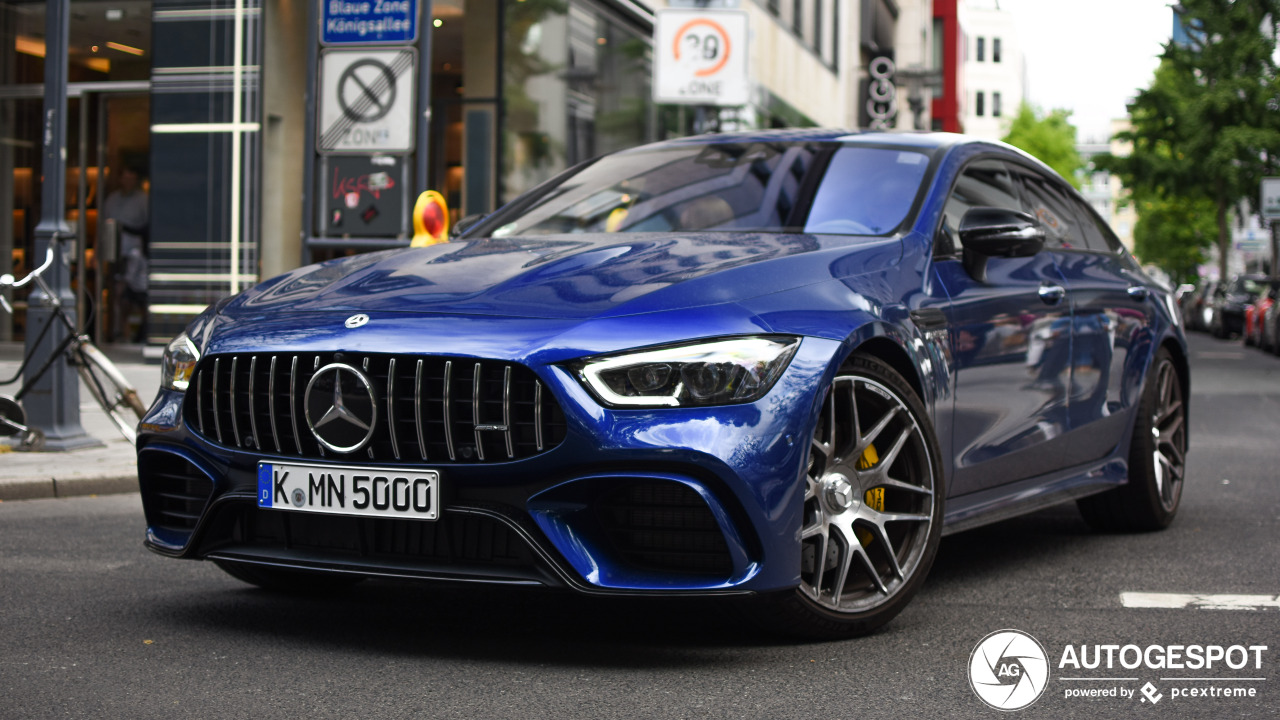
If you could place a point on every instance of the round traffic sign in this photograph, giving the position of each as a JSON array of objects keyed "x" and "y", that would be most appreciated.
[
  {"x": 368, "y": 96},
  {"x": 705, "y": 45}
]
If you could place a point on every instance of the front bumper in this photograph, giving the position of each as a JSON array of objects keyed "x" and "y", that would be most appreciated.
[{"x": 685, "y": 500}]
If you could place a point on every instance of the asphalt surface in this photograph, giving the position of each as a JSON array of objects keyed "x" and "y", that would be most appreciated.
[{"x": 92, "y": 625}]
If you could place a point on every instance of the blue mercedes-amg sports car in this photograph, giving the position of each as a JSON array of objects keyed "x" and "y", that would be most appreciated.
[{"x": 779, "y": 365}]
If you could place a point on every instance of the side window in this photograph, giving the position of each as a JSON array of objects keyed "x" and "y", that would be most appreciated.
[
  {"x": 1054, "y": 209},
  {"x": 1097, "y": 234},
  {"x": 985, "y": 183}
]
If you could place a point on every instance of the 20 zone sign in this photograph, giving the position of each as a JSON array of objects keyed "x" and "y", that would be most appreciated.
[{"x": 701, "y": 57}]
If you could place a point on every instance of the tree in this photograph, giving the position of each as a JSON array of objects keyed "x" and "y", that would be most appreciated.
[
  {"x": 1208, "y": 128},
  {"x": 1174, "y": 233},
  {"x": 1050, "y": 138}
]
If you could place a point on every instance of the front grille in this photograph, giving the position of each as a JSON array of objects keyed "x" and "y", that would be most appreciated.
[
  {"x": 454, "y": 539},
  {"x": 441, "y": 410},
  {"x": 174, "y": 491},
  {"x": 664, "y": 526}
]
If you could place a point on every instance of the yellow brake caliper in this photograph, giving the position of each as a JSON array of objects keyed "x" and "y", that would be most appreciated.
[{"x": 875, "y": 496}]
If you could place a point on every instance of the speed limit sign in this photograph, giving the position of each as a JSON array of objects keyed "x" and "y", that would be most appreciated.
[{"x": 700, "y": 57}]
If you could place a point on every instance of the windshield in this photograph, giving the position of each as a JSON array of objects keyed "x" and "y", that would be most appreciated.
[{"x": 741, "y": 187}]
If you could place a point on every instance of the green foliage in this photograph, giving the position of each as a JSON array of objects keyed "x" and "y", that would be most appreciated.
[
  {"x": 1208, "y": 128},
  {"x": 1050, "y": 138},
  {"x": 1174, "y": 233}
]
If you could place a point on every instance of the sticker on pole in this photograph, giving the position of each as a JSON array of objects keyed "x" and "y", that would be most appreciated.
[
  {"x": 367, "y": 101},
  {"x": 700, "y": 57}
]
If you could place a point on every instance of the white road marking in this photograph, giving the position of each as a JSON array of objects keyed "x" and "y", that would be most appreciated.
[{"x": 1198, "y": 601}]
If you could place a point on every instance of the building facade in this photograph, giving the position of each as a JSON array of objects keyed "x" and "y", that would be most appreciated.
[
  {"x": 995, "y": 73},
  {"x": 266, "y": 134}
]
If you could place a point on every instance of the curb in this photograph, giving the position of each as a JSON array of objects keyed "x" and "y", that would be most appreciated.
[{"x": 70, "y": 487}]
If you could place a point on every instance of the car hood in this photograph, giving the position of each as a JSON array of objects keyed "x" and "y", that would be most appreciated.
[{"x": 566, "y": 276}]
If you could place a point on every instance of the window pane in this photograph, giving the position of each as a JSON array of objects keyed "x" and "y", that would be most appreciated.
[
  {"x": 866, "y": 191},
  {"x": 982, "y": 46},
  {"x": 995, "y": 50},
  {"x": 979, "y": 105},
  {"x": 1052, "y": 207},
  {"x": 986, "y": 183}
]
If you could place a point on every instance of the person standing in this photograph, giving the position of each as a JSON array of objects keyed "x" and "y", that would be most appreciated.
[{"x": 128, "y": 206}]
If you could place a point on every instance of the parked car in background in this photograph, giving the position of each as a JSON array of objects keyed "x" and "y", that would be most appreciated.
[
  {"x": 1229, "y": 301},
  {"x": 775, "y": 365},
  {"x": 1255, "y": 316},
  {"x": 1196, "y": 308}
]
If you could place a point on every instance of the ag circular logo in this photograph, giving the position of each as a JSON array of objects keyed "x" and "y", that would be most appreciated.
[
  {"x": 341, "y": 409},
  {"x": 1008, "y": 670}
]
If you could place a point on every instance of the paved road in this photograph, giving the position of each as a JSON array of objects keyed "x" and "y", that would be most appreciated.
[{"x": 92, "y": 625}]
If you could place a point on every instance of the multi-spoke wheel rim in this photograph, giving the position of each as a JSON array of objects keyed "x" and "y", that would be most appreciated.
[
  {"x": 1169, "y": 437},
  {"x": 869, "y": 498}
]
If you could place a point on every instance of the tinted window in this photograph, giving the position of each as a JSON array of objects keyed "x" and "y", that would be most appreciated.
[
  {"x": 760, "y": 187},
  {"x": 986, "y": 183},
  {"x": 1049, "y": 203},
  {"x": 1097, "y": 235}
]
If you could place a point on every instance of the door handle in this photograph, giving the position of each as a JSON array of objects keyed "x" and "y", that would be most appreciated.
[
  {"x": 1139, "y": 292},
  {"x": 1052, "y": 294}
]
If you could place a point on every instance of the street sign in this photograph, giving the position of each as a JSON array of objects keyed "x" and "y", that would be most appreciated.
[
  {"x": 1271, "y": 198},
  {"x": 700, "y": 57},
  {"x": 367, "y": 101},
  {"x": 363, "y": 196},
  {"x": 351, "y": 22}
]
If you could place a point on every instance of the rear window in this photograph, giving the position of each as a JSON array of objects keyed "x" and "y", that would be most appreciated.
[{"x": 741, "y": 187}]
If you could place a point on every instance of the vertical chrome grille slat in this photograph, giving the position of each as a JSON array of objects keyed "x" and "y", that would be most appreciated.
[
  {"x": 293, "y": 402},
  {"x": 271, "y": 403},
  {"x": 217, "y": 421},
  {"x": 448, "y": 416},
  {"x": 417, "y": 409},
  {"x": 506, "y": 410},
  {"x": 235, "y": 424},
  {"x": 475, "y": 411},
  {"x": 200, "y": 401},
  {"x": 537, "y": 413},
  {"x": 391, "y": 405},
  {"x": 256, "y": 440}
]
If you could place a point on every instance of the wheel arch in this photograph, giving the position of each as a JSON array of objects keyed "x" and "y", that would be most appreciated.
[
  {"x": 1180, "y": 363},
  {"x": 893, "y": 354}
]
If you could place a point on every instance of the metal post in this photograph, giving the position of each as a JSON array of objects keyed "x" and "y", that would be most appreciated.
[
  {"x": 53, "y": 405},
  {"x": 422, "y": 130}
]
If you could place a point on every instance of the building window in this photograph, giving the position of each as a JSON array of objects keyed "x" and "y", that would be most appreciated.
[
  {"x": 817, "y": 27},
  {"x": 995, "y": 50},
  {"x": 797, "y": 17},
  {"x": 979, "y": 105},
  {"x": 995, "y": 104},
  {"x": 982, "y": 49}
]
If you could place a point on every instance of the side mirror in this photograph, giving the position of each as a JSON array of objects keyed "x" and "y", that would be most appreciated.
[
  {"x": 987, "y": 232},
  {"x": 465, "y": 224}
]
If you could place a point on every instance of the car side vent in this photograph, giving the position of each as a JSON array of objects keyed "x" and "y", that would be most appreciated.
[
  {"x": 664, "y": 526},
  {"x": 424, "y": 409}
]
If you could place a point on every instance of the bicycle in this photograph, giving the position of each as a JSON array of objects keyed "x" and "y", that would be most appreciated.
[{"x": 106, "y": 383}]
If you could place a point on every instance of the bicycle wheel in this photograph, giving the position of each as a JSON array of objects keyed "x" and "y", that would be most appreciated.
[{"x": 112, "y": 391}]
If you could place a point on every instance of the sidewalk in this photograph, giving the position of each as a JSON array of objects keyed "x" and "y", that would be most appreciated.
[{"x": 111, "y": 467}]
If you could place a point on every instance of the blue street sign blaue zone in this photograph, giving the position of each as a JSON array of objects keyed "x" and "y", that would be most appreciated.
[{"x": 360, "y": 22}]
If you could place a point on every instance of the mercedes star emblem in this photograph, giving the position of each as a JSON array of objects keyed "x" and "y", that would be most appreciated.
[{"x": 341, "y": 409}]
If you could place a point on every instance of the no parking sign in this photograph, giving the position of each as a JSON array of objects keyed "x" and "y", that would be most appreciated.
[{"x": 700, "y": 57}]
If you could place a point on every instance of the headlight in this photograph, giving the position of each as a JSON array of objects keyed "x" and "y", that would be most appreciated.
[
  {"x": 178, "y": 363},
  {"x": 717, "y": 372}
]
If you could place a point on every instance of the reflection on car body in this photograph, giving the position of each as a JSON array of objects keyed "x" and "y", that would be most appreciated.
[{"x": 778, "y": 365}]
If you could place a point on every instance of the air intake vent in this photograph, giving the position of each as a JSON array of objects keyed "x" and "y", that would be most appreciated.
[
  {"x": 174, "y": 491},
  {"x": 664, "y": 526},
  {"x": 422, "y": 409}
]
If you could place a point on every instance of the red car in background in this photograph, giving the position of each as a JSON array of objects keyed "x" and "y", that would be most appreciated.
[{"x": 1260, "y": 318}]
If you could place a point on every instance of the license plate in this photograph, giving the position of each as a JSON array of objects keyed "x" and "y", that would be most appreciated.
[{"x": 342, "y": 490}]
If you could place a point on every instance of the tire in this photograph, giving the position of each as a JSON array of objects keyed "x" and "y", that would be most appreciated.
[
  {"x": 113, "y": 392},
  {"x": 287, "y": 581},
  {"x": 1157, "y": 459},
  {"x": 861, "y": 564}
]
